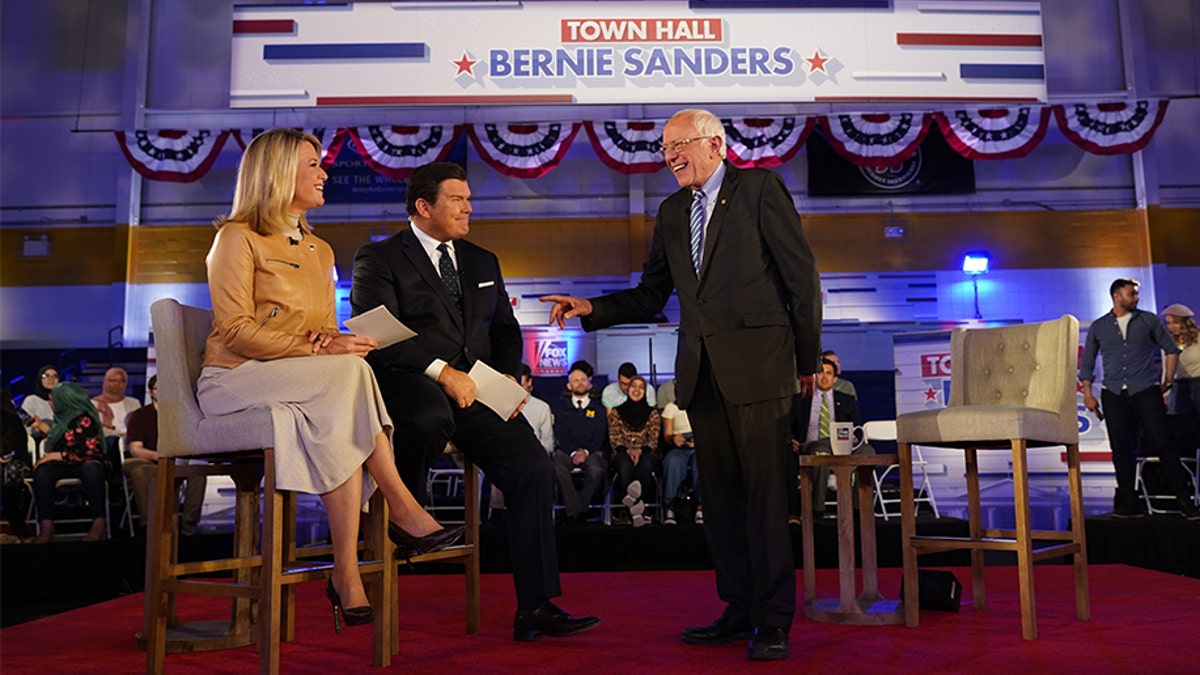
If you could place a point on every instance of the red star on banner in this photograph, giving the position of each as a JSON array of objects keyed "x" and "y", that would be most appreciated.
[
  {"x": 464, "y": 65},
  {"x": 816, "y": 62},
  {"x": 931, "y": 394}
]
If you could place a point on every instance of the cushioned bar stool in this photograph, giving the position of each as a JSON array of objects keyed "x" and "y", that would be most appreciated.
[
  {"x": 1011, "y": 388},
  {"x": 264, "y": 566}
]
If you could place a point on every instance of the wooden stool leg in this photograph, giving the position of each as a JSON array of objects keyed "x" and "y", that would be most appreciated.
[
  {"x": 975, "y": 527},
  {"x": 908, "y": 529},
  {"x": 1024, "y": 540},
  {"x": 287, "y": 593},
  {"x": 471, "y": 517},
  {"x": 1083, "y": 610},
  {"x": 806, "y": 534},
  {"x": 247, "y": 482},
  {"x": 271, "y": 577},
  {"x": 381, "y": 583},
  {"x": 159, "y": 545}
]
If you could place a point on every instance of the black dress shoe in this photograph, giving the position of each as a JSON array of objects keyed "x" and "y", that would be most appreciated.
[
  {"x": 550, "y": 620},
  {"x": 408, "y": 545},
  {"x": 768, "y": 644},
  {"x": 718, "y": 632}
]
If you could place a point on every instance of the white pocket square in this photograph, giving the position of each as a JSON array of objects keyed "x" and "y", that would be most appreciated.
[{"x": 485, "y": 284}]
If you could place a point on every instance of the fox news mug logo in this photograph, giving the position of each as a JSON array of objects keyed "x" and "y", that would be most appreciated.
[
  {"x": 844, "y": 433},
  {"x": 552, "y": 357},
  {"x": 935, "y": 365}
]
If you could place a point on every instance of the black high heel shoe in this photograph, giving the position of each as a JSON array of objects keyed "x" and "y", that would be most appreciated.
[
  {"x": 409, "y": 545},
  {"x": 355, "y": 616}
]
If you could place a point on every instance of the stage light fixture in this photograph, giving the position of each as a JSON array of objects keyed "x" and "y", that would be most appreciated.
[{"x": 976, "y": 262}]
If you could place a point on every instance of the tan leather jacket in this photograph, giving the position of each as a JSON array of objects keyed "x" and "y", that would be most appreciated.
[{"x": 266, "y": 292}]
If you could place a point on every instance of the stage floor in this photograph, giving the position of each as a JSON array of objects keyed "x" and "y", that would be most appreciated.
[{"x": 1142, "y": 622}]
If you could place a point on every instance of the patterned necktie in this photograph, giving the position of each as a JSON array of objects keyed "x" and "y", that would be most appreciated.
[
  {"x": 697, "y": 228},
  {"x": 449, "y": 275},
  {"x": 823, "y": 420}
]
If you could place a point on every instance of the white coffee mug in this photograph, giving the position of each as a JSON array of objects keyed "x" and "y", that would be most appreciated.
[{"x": 846, "y": 438}]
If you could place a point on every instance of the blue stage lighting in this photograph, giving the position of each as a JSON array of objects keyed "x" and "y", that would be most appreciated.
[{"x": 976, "y": 263}]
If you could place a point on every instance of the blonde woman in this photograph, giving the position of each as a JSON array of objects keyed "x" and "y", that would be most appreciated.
[
  {"x": 1185, "y": 392},
  {"x": 275, "y": 344}
]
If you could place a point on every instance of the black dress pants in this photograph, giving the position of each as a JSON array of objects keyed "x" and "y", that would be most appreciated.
[
  {"x": 507, "y": 451},
  {"x": 739, "y": 451},
  {"x": 1129, "y": 417}
]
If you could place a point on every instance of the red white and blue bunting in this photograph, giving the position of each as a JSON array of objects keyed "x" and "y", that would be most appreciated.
[
  {"x": 331, "y": 146},
  {"x": 1110, "y": 128},
  {"x": 765, "y": 141},
  {"x": 523, "y": 150},
  {"x": 170, "y": 155},
  {"x": 876, "y": 140},
  {"x": 394, "y": 151},
  {"x": 628, "y": 146},
  {"x": 872, "y": 140},
  {"x": 994, "y": 133}
]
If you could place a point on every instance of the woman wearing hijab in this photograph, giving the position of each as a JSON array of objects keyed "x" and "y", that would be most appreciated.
[
  {"x": 74, "y": 448},
  {"x": 113, "y": 404},
  {"x": 633, "y": 429},
  {"x": 37, "y": 404},
  {"x": 275, "y": 344}
]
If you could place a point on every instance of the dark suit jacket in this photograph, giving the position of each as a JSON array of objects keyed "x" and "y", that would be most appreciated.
[
  {"x": 755, "y": 307},
  {"x": 845, "y": 409},
  {"x": 397, "y": 274},
  {"x": 574, "y": 428}
]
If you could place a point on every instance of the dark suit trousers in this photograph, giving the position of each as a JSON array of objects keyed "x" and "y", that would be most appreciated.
[
  {"x": 508, "y": 452},
  {"x": 741, "y": 467}
]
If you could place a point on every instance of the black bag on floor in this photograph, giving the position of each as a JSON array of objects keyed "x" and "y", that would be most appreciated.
[{"x": 939, "y": 591}]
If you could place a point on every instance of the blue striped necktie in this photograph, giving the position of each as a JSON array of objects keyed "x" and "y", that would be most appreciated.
[{"x": 697, "y": 228}]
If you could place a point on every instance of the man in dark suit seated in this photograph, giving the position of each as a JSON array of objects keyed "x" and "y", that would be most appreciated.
[
  {"x": 451, "y": 293},
  {"x": 812, "y": 416},
  {"x": 581, "y": 433}
]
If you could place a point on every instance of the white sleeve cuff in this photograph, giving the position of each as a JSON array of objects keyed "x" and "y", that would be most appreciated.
[{"x": 434, "y": 370}]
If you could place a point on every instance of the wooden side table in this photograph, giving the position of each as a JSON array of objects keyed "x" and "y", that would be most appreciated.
[{"x": 869, "y": 607}]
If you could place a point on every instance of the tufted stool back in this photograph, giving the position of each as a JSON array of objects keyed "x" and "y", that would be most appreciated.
[{"x": 1028, "y": 366}]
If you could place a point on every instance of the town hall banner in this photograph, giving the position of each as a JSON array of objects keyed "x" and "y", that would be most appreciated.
[{"x": 699, "y": 52}]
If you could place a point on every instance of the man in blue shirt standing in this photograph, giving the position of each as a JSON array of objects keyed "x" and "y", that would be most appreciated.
[{"x": 1132, "y": 395}]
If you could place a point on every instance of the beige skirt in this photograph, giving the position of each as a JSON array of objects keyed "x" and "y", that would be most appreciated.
[{"x": 326, "y": 412}]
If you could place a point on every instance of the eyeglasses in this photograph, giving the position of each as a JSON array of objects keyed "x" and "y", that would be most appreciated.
[
  {"x": 47, "y": 376},
  {"x": 676, "y": 146}
]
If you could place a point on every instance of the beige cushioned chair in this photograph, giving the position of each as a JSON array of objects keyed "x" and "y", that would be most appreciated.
[
  {"x": 1011, "y": 388},
  {"x": 264, "y": 567}
]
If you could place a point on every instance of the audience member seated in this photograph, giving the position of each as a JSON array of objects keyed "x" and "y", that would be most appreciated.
[
  {"x": 616, "y": 392},
  {"x": 843, "y": 385},
  {"x": 141, "y": 438},
  {"x": 581, "y": 432},
  {"x": 114, "y": 407},
  {"x": 37, "y": 404},
  {"x": 666, "y": 394},
  {"x": 74, "y": 448},
  {"x": 680, "y": 458},
  {"x": 537, "y": 413},
  {"x": 633, "y": 429},
  {"x": 812, "y": 418},
  {"x": 15, "y": 463}
]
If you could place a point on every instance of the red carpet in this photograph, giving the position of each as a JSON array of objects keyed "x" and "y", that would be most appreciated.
[{"x": 1142, "y": 622}]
